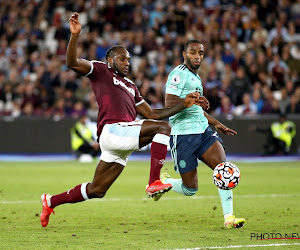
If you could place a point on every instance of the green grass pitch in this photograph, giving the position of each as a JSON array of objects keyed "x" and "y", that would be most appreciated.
[{"x": 268, "y": 197}]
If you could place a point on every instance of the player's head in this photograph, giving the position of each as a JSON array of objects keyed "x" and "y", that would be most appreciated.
[
  {"x": 193, "y": 54},
  {"x": 119, "y": 59}
]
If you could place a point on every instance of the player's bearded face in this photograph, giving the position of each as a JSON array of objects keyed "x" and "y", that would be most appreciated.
[
  {"x": 119, "y": 69},
  {"x": 194, "y": 55},
  {"x": 121, "y": 63},
  {"x": 190, "y": 62}
]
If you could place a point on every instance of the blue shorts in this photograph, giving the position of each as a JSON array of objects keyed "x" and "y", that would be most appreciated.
[{"x": 187, "y": 149}]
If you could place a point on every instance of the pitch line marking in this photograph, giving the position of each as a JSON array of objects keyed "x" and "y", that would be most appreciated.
[
  {"x": 171, "y": 198},
  {"x": 239, "y": 246}
]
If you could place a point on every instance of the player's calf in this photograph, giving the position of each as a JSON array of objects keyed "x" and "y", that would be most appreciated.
[
  {"x": 95, "y": 192},
  {"x": 189, "y": 191}
]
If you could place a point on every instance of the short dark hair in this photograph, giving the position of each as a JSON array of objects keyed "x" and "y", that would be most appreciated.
[
  {"x": 186, "y": 45},
  {"x": 112, "y": 51}
]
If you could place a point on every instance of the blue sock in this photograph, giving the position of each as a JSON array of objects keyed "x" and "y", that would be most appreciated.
[
  {"x": 178, "y": 187},
  {"x": 226, "y": 200}
]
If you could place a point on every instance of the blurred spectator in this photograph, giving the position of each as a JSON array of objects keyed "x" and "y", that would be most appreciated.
[
  {"x": 92, "y": 110},
  {"x": 278, "y": 71},
  {"x": 180, "y": 17},
  {"x": 279, "y": 31},
  {"x": 261, "y": 62},
  {"x": 294, "y": 105},
  {"x": 59, "y": 109},
  {"x": 260, "y": 34},
  {"x": 240, "y": 84},
  {"x": 284, "y": 100},
  {"x": 156, "y": 14},
  {"x": 247, "y": 107},
  {"x": 257, "y": 100},
  {"x": 247, "y": 44},
  {"x": 226, "y": 108}
]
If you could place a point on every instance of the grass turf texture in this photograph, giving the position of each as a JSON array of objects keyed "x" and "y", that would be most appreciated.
[{"x": 127, "y": 219}]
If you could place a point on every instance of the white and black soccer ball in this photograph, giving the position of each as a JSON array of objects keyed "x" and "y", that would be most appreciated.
[{"x": 226, "y": 175}]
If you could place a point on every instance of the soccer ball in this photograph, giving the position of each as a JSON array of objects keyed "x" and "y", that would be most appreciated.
[{"x": 226, "y": 175}]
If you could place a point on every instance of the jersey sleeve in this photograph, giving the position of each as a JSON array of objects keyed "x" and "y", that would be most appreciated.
[
  {"x": 97, "y": 69},
  {"x": 175, "y": 82}
]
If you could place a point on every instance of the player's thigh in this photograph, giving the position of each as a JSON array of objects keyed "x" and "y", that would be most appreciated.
[
  {"x": 214, "y": 155},
  {"x": 119, "y": 140},
  {"x": 183, "y": 151},
  {"x": 105, "y": 175},
  {"x": 152, "y": 127}
]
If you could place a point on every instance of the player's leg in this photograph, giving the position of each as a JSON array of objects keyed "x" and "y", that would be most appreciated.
[
  {"x": 114, "y": 139},
  {"x": 158, "y": 134},
  {"x": 105, "y": 175},
  {"x": 183, "y": 150},
  {"x": 214, "y": 155},
  {"x": 187, "y": 185}
]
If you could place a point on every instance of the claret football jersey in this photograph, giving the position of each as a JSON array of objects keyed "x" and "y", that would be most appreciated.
[{"x": 117, "y": 96}]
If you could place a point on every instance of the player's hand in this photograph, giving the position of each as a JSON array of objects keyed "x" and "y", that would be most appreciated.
[
  {"x": 75, "y": 26},
  {"x": 203, "y": 102},
  {"x": 225, "y": 130},
  {"x": 190, "y": 99}
]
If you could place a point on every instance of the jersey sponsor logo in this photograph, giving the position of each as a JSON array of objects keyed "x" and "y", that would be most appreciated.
[
  {"x": 176, "y": 79},
  {"x": 117, "y": 82}
]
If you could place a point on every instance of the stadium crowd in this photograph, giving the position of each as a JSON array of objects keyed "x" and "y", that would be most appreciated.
[{"x": 251, "y": 65}]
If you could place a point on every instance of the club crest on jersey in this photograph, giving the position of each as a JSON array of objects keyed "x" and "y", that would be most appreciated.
[
  {"x": 176, "y": 79},
  {"x": 117, "y": 82}
]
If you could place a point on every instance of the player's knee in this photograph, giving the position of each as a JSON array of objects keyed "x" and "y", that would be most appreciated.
[
  {"x": 215, "y": 164},
  {"x": 164, "y": 128},
  {"x": 189, "y": 191}
]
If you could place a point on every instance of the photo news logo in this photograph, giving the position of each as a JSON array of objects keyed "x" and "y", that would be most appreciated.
[{"x": 275, "y": 236}]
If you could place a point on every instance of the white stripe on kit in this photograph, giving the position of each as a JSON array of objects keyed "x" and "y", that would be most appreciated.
[
  {"x": 83, "y": 190},
  {"x": 160, "y": 138},
  {"x": 174, "y": 153}
]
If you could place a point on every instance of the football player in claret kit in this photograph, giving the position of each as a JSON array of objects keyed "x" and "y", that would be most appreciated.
[
  {"x": 191, "y": 136},
  {"x": 119, "y": 134}
]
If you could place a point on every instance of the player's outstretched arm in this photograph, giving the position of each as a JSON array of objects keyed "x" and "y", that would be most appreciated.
[
  {"x": 146, "y": 111},
  {"x": 219, "y": 126},
  {"x": 80, "y": 66}
]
